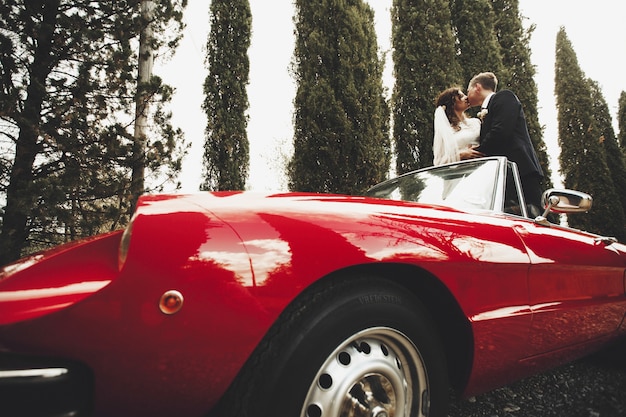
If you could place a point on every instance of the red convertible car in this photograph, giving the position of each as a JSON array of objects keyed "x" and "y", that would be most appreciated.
[{"x": 310, "y": 305}]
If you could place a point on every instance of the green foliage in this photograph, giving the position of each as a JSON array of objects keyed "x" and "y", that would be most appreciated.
[
  {"x": 425, "y": 64},
  {"x": 68, "y": 75},
  {"x": 341, "y": 139},
  {"x": 478, "y": 47},
  {"x": 226, "y": 149},
  {"x": 583, "y": 124},
  {"x": 612, "y": 152}
]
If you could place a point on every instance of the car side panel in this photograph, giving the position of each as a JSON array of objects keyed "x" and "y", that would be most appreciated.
[
  {"x": 576, "y": 287},
  {"x": 480, "y": 259}
]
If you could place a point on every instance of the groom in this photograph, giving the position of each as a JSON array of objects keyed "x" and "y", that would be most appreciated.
[{"x": 504, "y": 133}]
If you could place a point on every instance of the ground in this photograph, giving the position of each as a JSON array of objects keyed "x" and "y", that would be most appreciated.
[{"x": 591, "y": 387}]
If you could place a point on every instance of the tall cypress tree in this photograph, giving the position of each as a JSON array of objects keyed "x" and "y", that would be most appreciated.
[
  {"x": 478, "y": 47},
  {"x": 67, "y": 87},
  {"x": 612, "y": 151},
  {"x": 226, "y": 148},
  {"x": 341, "y": 138},
  {"x": 425, "y": 64},
  {"x": 583, "y": 161},
  {"x": 514, "y": 43}
]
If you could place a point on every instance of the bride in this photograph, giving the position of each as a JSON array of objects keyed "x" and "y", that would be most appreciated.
[{"x": 456, "y": 135}]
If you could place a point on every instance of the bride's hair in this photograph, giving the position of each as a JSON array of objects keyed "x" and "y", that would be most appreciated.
[{"x": 446, "y": 99}]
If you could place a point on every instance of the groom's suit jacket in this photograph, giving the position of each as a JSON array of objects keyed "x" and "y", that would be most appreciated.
[{"x": 504, "y": 133}]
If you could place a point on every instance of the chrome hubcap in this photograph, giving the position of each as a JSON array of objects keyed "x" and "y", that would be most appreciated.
[{"x": 375, "y": 373}]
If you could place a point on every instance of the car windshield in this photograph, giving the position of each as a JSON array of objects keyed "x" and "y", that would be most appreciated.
[{"x": 467, "y": 185}]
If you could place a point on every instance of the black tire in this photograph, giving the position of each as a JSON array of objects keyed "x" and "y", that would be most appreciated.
[{"x": 347, "y": 347}]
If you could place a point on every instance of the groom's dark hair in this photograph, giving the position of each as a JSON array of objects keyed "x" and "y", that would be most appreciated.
[{"x": 487, "y": 79}]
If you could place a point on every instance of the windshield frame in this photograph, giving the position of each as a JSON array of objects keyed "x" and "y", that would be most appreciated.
[{"x": 450, "y": 184}]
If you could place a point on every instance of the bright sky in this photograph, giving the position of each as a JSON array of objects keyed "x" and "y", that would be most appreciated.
[{"x": 593, "y": 28}]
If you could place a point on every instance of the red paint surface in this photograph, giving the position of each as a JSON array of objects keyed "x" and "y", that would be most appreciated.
[{"x": 533, "y": 295}]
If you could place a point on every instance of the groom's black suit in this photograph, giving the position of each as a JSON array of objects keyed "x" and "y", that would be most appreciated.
[{"x": 504, "y": 133}]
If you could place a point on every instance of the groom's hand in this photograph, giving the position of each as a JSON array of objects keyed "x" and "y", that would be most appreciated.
[{"x": 471, "y": 153}]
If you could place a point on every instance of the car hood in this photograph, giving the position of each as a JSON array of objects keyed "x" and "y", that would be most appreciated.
[{"x": 247, "y": 201}]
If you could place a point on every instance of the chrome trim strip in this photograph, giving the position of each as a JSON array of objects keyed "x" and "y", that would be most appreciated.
[{"x": 34, "y": 373}]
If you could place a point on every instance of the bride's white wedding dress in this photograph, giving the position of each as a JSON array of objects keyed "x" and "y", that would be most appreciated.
[{"x": 448, "y": 142}]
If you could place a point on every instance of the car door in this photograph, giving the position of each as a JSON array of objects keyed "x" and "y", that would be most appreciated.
[{"x": 576, "y": 286}]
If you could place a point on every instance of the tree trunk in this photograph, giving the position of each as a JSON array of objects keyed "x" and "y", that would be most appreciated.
[
  {"x": 142, "y": 102},
  {"x": 20, "y": 194}
]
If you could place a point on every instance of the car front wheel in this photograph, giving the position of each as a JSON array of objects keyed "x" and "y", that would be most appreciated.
[{"x": 347, "y": 347}]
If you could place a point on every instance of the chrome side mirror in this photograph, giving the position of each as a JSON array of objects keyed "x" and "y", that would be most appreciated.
[{"x": 563, "y": 201}]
